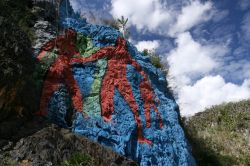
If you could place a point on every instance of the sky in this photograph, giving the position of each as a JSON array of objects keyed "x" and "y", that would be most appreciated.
[{"x": 205, "y": 44}]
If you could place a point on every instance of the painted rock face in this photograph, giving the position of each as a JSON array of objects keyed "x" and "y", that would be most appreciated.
[{"x": 98, "y": 84}]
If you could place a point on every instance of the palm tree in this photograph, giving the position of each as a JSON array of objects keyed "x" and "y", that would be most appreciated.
[{"x": 122, "y": 24}]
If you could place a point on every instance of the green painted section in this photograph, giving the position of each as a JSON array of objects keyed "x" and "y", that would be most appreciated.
[
  {"x": 92, "y": 101},
  {"x": 85, "y": 46},
  {"x": 86, "y": 49}
]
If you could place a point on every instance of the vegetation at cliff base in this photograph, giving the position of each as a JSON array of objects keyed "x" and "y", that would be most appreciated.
[
  {"x": 78, "y": 159},
  {"x": 221, "y": 135}
]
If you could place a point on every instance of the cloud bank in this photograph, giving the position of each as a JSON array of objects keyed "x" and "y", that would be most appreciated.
[
  {"x": 154, "y": 16},
  {"x": 149, "y": 14},
  {"x": 211, "y": 90}
]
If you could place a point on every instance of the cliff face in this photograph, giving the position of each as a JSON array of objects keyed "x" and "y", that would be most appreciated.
[
  {"x": 93, "y": 82},
  {"x": 116, "y": 97}
]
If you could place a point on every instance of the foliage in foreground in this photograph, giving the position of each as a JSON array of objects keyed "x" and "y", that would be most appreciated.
[
  {"x": 20, "y": 13},
  {"x": 79, "y": 159},
  {"x": 221, "y": 134}
]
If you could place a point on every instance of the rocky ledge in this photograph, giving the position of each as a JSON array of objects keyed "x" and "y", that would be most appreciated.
[{"x": 52, "y": 145}]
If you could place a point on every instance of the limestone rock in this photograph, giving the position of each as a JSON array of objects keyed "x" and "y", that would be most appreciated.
[
  {"x": 122, "y": 95},
  {"x": 52, "y": 145},
  {"x": 44, "y": 31}
]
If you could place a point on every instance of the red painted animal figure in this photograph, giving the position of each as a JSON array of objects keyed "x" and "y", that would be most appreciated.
[
  {"x": 60, "y": 71},
  {"x": 115, "y": 77}
]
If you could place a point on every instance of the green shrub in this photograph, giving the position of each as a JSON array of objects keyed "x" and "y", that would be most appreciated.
[
  {"x": 20, "y": 13},
  {"x": 154, "y": 58},
  {"x": 79, "y": 159},
  {"x": 156, "y": 61},
  {"x": 145, "y": 52}
]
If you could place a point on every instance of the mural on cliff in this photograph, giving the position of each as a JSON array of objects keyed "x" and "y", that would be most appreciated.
[{"x": 100, "y": 86}]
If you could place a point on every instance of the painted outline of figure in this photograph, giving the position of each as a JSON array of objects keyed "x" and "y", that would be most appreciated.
[
  {"x": 115, "y": 77},
  {"x": 60, "y": 71}
]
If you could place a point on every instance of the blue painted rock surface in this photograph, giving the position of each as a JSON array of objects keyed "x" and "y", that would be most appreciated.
[{"x": 169, "y": 146}]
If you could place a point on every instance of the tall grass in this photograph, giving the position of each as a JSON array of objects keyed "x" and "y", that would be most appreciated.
[{"x": 220, "y": 135}]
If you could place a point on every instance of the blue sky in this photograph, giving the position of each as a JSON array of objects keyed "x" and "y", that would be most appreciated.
[{"x": 204, "y": 43}]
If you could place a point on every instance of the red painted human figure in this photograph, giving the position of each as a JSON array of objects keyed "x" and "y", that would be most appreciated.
[
  {"x": 148, "y": 98},
  {"x": 115, "y": 77},
  {"x": 60, "y": 71}
]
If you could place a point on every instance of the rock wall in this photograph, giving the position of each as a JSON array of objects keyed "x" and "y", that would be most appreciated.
[
  {"x": 52, "y": 145},
  {"x": 131, "y": 110}
]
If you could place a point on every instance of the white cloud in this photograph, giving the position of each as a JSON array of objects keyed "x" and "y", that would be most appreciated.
[
  {"x": 148, "y": 14},
  {"x": 190, "y": 59},
  {"x": 209, "y": 91},
  {"x": 191, "y": 15},
  {"x": 191, "y": 65},
  {"x": 154, "y": 16},
  {"x": 149, "y": 45}
]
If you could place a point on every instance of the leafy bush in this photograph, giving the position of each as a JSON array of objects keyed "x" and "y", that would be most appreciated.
[
  {"x": 145, "y": 52},
  {"x": 20, "y": 13},
  {"x": 16, "y": 60},
  {"x": 154, "y": 58},
  {"x": 78, "y": 159},
  {"x": 156, "y": 61}
]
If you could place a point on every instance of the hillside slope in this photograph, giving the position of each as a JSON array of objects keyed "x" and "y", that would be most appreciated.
[{"x": 221, "y": 135}]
